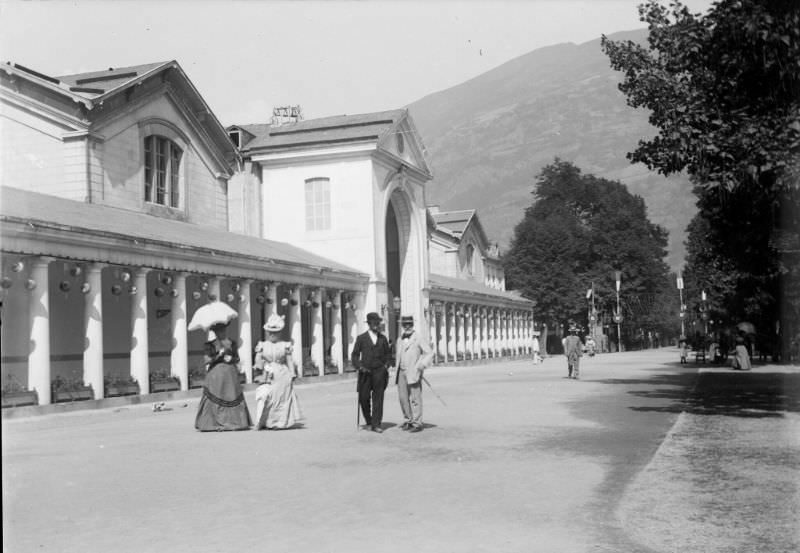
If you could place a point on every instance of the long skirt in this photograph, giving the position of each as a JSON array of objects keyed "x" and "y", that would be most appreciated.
[
  {"x": 741, "y": 359},
  {"x": 276, "y": 403},
  {"x": 222, "y": 406}
]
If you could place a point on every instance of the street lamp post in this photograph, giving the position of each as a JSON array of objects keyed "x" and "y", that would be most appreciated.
[
  {"x": 618, "y": 316},
  {"x": 683, "y": 307}
]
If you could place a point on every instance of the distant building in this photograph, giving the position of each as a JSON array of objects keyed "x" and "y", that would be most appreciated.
[{"x": 126, "y": 205}]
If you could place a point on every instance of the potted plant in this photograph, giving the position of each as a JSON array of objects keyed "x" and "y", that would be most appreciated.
[
  {"x": 162, "y": 380},
  {"x": 309, "y": 367},
  {"x": 116, "y": 386},
  {"x": 330, "y": 366},
  {"x": 197, "y": 377},
  {"x": 70, "y": 389},
  {"x": 16, "y": 395},
  {"x": 348, "y": 366}
]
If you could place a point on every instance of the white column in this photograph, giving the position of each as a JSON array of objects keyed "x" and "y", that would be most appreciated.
[
  {"x": 451, "y": 335},
  {"x": 93, "y": 329},
  {"x": 515, "y": 331},
  {"x": 432, "y": 329},
  {"x": 179, "y": 355},
  {"x": 484, "y": 332},
  {"x": 493, "y": 326},
  {"x": 503, "y": 331},
  {"x": 296, "y": 328},
  {"x": 140, "y": 363},
  {"x": 317, "y": 330},
  {"x": 355, "y": 316},
  {"x": 245, "y": 329},
  {"x": 39, "y": 309},
  {"x": 337, "y": 350},
  {"x": 476, "y": 332},
  {"x": 442, "y": 344},
  {"x": 213, "y": 289},
  {"x": 468, "y": 349}
]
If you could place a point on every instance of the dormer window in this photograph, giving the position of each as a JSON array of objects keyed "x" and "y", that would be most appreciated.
[
  {"x": 162, "y": 165},
  {"x": 236, "y": 138},
  {"x": 470, "y": 259}
]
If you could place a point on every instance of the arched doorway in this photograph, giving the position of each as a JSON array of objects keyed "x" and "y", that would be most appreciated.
[{"x": 393, "y": 269}]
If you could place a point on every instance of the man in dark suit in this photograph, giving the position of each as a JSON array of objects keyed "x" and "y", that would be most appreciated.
[{"x": 372, "y": 357}]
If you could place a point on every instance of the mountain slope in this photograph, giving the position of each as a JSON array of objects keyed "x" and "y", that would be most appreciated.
[{"x": 489, "y": 137}]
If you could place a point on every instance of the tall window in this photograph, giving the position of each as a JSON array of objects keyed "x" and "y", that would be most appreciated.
[
  {"x": 162, "y": 163},
  {"x": 470, "y": 259},
  {"x": 318, "y": 204}
]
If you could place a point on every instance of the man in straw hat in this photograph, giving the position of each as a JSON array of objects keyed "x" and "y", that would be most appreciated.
[
  {"x": 372, "y": 357},
  {"x": 413, "y": 356}
]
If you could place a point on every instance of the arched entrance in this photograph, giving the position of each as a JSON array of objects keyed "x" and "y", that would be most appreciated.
[
  {"x": 404, "y": 264},
  {"x": 393, "y": 269}
]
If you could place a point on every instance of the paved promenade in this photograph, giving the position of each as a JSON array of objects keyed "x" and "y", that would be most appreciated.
[{"x": 641, "y": 455}]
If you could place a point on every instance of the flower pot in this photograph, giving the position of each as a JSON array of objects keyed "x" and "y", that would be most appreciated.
[
  {"x": 20, "y": 399},
  {"x": 79, "y": 394},
  {"x": 117, "y": 390},
  {"x": 197, "y": 382},
  {"x": 164, "y": 386}
]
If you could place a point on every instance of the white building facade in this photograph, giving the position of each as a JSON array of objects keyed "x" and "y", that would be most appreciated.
[{"x": 126, "y": 205}]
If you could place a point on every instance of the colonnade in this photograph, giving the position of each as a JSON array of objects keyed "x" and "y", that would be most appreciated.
[
  {"x": 332, "y": 311},
  {"x": 465, "y": 331}
]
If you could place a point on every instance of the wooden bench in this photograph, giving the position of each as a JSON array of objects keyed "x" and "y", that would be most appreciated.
[{"x": 699, "y": 355}]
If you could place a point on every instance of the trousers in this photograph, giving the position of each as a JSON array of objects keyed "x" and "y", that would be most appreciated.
[
  {"x": 410, "y": 396},
  {"x": 371, "y": 386}
]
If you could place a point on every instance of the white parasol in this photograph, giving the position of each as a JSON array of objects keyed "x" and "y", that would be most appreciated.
[
  {"x": 747, "y": 328},
  {"x": 210, "y": 314}
]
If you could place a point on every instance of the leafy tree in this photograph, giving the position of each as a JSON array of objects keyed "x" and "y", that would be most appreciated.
[
  {"x": 723, "y": 90},
  {"x": 579, "y": 230}
]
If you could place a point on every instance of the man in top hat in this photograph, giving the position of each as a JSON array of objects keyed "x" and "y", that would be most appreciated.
[
  {"x": 413, "y": 356},
  {"x": 573, "y": 350},
  {"x": 372, "y": 357}
]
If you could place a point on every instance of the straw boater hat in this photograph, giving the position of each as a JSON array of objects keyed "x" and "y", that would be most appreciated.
[
  {"x": 275, "y": 323},
  {"x": 407, "y": 319}
]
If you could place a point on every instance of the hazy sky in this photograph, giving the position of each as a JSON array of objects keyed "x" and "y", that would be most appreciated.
[{"x": 330, "y": 57}]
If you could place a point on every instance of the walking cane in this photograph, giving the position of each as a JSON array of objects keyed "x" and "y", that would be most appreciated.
[{"x": 434, "y": 391}]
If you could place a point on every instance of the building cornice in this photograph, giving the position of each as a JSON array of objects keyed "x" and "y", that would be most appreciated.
[{"x": 25, "y": 238}]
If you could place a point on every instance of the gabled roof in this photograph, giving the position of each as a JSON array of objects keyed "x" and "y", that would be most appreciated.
[
  {"x": 98, "y": 83},
  {"x": 94, "y": 88},
  {"x": 325, "y": 130},
  {"x": 34, "y": 208},
  {"x": 454, "y": 221}
]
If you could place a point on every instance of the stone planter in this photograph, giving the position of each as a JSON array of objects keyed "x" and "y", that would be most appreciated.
[
  {"x": 169, "y": 385},
  {"x": 117, "y": 390},
  {"x": 196, "y": 382},
  {"x": 81, "y": 394},
  {"x": 20, "y": 399}
]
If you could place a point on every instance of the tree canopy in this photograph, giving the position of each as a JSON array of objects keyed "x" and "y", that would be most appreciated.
[
  {"x": 723, "y": 90},
  {"x": 579, "y": 230}
]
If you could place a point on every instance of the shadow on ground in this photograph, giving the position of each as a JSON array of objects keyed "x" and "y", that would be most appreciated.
[{"x": 736, "y": 394}]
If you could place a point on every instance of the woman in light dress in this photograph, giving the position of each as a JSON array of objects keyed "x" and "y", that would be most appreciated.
[
  {"x": 741, "y": 358},
  {"x": 276, "y": 403}
]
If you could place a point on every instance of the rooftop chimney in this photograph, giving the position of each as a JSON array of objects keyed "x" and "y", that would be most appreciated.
[{"x": 285, "y": 115}]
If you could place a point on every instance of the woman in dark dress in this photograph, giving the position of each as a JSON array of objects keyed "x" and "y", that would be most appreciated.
[{"x": 222, "y": 406}]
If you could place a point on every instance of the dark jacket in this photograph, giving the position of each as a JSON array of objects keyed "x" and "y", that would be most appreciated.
[{"x": 370, "y": 356}]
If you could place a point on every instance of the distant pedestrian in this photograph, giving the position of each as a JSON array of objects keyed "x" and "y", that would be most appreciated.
[
  {"x": 536, "y": 357},
  {"x": 372, "y": 357},
  {"x": 572, "y": 349},
  {"x": 413, "y": 355},
  {"x": 683, "y": 347},
  {"x": 741, "y": 358}
]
